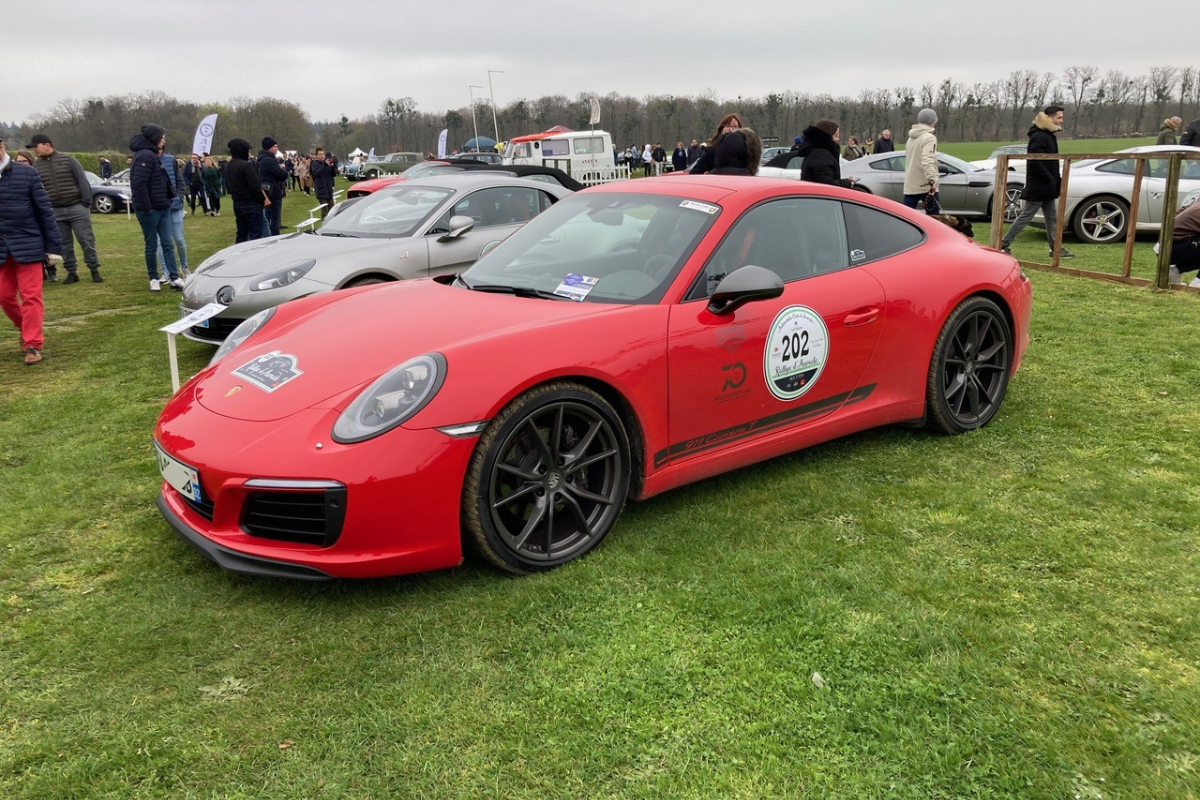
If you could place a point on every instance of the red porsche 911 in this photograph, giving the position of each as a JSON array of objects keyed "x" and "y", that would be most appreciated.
[{"x": 634, "y": 337}]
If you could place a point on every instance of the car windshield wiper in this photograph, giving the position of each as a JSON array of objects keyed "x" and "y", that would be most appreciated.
[
  {"x": 335, "y": 233},
  {"x": 519, "y": 291}
]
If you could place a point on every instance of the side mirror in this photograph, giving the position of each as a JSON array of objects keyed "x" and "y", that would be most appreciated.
[
  {"x": 459, "y": 225},
  {"x": 744, "y": 285},
  {"x": 943, "y": 169}
]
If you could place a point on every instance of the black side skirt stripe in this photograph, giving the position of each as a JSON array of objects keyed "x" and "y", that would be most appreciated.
[{"x": 717, "y": 438}]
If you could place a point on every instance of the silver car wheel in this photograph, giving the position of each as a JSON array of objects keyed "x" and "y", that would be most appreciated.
[{"x": 1102, "y": 220}]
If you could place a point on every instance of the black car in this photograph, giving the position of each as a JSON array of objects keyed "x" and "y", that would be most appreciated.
[{"x": 107, "y": 197}]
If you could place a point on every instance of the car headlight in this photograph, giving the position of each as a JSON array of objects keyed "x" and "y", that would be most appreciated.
[
  {"x": 283, "y": 277},
  {"x": 241, "y": 333},
  {"x": 393, "y": 398}
]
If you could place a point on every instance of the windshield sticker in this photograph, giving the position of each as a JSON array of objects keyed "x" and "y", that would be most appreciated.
[
  {"x": 796, "y": 352},
  {"x": 705, "y": 207},
  {"x": 576, "y": 287},
  {"x": 857, "y": 255},
  {"x": 270, "y": 371}
]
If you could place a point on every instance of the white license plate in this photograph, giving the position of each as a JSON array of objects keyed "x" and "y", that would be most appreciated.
[
  {"x": 184, "y": 478},
  {"x": 184, "y": 311}
]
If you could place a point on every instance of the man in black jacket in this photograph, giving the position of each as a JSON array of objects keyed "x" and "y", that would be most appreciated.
[
  {"x": 245, "y": 187},
  {"x": 71, "y": 197},
  {"x": 884, "y": 143},
  {"x": 321, "y": 169},
  {"x": 274, "y": 182},
  {"x": 1043, "y": 182},
  {"x": 1191, "y": 134},
  {"x": 152, "y": 194}
]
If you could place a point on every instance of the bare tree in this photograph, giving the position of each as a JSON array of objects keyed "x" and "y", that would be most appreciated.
[
  {"x": 1162, "y": 87},
  {"x": 1077, "y": 82}
]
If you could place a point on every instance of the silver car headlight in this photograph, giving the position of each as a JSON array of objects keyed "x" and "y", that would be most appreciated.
[
  {"x": 241, "y": 333},
  {"x": 393, "y": 398},
  {"x": 283, "y": 277}
]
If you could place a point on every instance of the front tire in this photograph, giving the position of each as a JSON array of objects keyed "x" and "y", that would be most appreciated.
[
  {"x": 968, "y": 374},
  {"x": 1102, "y": 220},
  {"x": 104, "y": 204},
  {"x": 548, "y": 479}
]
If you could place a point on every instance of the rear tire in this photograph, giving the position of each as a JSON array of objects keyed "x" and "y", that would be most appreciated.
[
  {"x": 1102, "y": 220},
  {"x": 969, "y": 370},
  {"x": 548, "y": 479}
]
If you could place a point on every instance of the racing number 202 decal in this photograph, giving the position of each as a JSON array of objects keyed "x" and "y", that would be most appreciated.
[{"x": 796, "y": 352}]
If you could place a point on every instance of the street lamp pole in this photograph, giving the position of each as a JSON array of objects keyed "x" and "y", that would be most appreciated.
[
  {"x": 495, "y": 125},
  {"x": 474, "y": 124}
]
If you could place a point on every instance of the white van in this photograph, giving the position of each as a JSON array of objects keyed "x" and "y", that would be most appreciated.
[{"x": 587, "y": 156}]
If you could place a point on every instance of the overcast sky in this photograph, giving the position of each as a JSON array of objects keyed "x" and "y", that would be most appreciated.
[{"x": 344, "y": 58}]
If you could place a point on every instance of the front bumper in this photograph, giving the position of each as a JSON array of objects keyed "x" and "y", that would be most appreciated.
[{"x": 401, "y": 500}]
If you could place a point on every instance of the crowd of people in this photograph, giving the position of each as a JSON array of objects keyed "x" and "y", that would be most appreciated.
[{"x": 45, "y": 198}]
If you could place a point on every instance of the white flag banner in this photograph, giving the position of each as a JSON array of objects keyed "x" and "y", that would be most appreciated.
[
  {"x": 595, "y": 120},
  {"x": 371, "y": 155},
  {"x": 202, "y": 142},
  {"x": 441, "y": 153}
]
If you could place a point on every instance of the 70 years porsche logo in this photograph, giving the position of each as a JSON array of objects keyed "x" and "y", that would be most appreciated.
[{"x": 270, "y": 370}]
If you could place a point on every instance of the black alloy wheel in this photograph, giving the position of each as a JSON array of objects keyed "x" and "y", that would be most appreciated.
[
  {"x": 969, "y": 371},
  {"x": 548, "y": 478}
]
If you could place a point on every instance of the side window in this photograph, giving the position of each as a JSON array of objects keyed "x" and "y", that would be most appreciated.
[
  {"x": 499, "y": 205},
  {"x": 795, "y": 238},
  {"x": 875, "y": 234},
  {"x": 947, "y": 169},
  {"x": 1122, "y": 167}
]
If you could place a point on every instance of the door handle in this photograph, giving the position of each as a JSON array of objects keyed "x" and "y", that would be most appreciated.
[{"x": 861, "y": 316}]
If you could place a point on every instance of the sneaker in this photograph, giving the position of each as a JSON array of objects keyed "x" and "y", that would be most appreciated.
[
  {"x": 176, "y": 284},
  {"x": 97, "y": 277},
  {"x": 1173, "y": 275},
  {"x": 32, "y": 356},
  {"x": 51, "y": 276},
  {"x": 1004, "y": 249},
  {"x": 1063, "y": 253},
  {"x": 155, "y": 286},
  {"x": 72, "y": 277},
  {"x": 1195, "y": 284}
]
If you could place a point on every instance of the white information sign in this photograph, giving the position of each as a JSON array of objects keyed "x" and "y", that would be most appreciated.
[{"x": 194, "y": 318}]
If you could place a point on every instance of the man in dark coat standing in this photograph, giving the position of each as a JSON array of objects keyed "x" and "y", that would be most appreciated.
[
  {"x": 1043, "y": 181},
  {"x": 274, "y": 183},
  {"x": 322, "y": 171},
  {"x": 1191, "y": 134},
  {"x": 245, "y": 188},
  {"x": 71, "y": 197},
  {"x": 822, "y": 155},
  {"x": 152, "y": 194},
  {"x": 884, "y": 143},
  {"x": 28, "y": 236}
]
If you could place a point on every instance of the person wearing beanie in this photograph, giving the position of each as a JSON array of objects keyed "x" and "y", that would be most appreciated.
[
  {"x": 920, "y": 164},
  {"x": 1043, "y": 183},
  {"x": 152, "y": 195},
  {"x": 274, "y": 180},
  {"x": 71, "y": 198},
  {"x": 245, "y": 189}
]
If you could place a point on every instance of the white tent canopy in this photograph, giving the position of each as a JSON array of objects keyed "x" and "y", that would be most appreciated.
[{"x": 357, "y": 152}]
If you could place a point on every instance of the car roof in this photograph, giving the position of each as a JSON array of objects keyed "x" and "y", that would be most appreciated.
[
  {"x": 469, "y": 181},
  {"x": 1161, "y": 148}
]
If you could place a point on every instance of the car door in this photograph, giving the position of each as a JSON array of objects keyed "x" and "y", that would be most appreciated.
[
  {"x": 890, "y": 178},
  {"x": 952, "y": 187},
  {"x": 771, "y": 364},
  {"x": 1154, "y": 187},
  {"x": 497, "y": 211}
]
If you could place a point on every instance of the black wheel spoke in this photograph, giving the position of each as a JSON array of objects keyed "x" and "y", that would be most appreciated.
[
  {"x": 590, "y": 460},
  {"x": 556, "y": 437},
  {"x": 956, "y": 385},
  {"x": 539, "y": 511},
  {"x": 520, "y": 473},
  {"x": 524, "y": 490},
  {"x": 549, "y": 545},
  {"x": 585, "y": 441},
  {"x": 573, "y": 506},
  {"x": 577, "y": 491},
  {"x": 981, "y": 390},
  {"x": 543, "y": 448},
  {"x": 989, "y": 353}
]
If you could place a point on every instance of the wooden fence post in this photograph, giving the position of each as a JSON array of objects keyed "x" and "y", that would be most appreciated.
[
  {"x": 999, "y": 201},
  {"x": 1170, "y": 201},
  {"x": 1139, "y": 172}
]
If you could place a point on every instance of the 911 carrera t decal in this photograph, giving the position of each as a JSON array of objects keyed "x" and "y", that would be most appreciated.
[
  {"x": 796, "y": 352},
  {"x": 270, "y": 370},
  {"x": 717, "y": 438}
]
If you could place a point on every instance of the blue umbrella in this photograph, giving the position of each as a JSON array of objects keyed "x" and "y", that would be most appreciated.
[{"x": 480, "y": 143}]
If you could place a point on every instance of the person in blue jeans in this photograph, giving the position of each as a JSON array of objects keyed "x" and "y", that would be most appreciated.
[
  {"x": 152, "y": 195},
  {"x": 175, "y": 213}
]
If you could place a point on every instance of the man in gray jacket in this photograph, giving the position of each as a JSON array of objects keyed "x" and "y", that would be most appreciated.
[{"x": 71, "y": 197}]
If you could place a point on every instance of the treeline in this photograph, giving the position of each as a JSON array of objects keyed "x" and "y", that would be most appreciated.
[{"x": 1098, "y": 104}]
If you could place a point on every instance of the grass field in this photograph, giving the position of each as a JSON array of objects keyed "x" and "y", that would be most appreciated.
[
  {"x": 975, "y": 151},
  {"x": 1014, "y": 613}
]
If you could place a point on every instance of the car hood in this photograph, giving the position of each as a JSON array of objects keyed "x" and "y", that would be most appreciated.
[
  {"x": 338, "y": 343},
  {"x": 255, "y": 258}
]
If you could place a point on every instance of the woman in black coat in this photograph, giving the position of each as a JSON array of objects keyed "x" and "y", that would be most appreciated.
[{"x": 822, "y": 155}]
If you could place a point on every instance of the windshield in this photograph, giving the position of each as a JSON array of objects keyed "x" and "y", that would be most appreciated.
[
  {"x": 606, "y": 248},
  {"x": 958, "y": 163},
  {"x": 425, "y": 170},
  {"x": 389, "y": 213}
]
